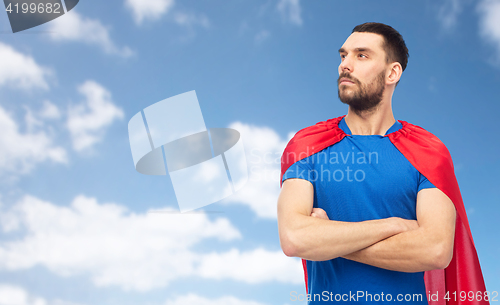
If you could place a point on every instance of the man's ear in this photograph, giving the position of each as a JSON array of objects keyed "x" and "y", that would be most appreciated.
[{"x": 394, "y": 73}]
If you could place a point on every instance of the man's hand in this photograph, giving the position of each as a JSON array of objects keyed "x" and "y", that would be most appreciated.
[
  {"x": 407, "y": 224},
  {"x": 319, "y": 213}
]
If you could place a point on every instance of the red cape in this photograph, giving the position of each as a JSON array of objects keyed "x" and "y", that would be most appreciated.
[{"x": 432, "y": 159}]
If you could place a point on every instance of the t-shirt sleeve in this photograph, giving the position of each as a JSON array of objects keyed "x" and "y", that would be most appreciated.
[
  {"x": 301, "y": 169},
  {"x": 423, "y": 183}
]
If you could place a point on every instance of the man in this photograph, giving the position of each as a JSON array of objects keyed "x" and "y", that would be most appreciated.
[{"x": 369, "y": 203}]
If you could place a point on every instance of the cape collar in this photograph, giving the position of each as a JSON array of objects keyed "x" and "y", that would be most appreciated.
[{"x": 343, "y": 126}]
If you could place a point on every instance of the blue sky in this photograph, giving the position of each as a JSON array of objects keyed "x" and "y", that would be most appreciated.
[{"x": 80, "y": 226}]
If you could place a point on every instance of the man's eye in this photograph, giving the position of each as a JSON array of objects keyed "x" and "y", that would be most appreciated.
[{"x": 362, "y": 55}]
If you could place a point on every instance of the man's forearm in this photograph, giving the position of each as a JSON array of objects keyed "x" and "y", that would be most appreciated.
[
  {"x": 410, "y": 251},
  {"x": 318, "y": 239},
  {"x": 311, "y": 236},
  {"x": 428, "y": 247}
]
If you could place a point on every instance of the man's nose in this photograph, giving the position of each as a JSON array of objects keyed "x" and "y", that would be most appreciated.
[{"x": 345, "y": 65}]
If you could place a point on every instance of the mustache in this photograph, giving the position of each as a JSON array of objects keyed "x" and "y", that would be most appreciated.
[{"x": 348, "y": 76}]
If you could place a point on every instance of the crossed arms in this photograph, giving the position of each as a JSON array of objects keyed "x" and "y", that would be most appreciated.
[{"x": 391, "y": 243}]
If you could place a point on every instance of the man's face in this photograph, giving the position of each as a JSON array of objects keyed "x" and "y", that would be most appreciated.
[{"x": 362, "y": 71}]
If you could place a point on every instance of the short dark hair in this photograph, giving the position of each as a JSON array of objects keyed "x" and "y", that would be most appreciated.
[{"x": 394, "y": 44}]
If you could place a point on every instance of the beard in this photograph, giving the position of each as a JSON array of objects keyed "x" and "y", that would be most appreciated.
[{"x": 365, "y": 98}]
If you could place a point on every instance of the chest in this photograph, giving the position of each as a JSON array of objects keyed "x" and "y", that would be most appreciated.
[{"x": 362, "y": 180}]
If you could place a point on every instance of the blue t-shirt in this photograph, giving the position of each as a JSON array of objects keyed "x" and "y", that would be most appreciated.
[{"x": 362, "y": 177}]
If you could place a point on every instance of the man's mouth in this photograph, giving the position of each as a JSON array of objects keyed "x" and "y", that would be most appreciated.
[{"x": 345, "y": 81}]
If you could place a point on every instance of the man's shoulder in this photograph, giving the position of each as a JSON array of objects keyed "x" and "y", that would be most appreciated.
[
  {"x": 418, "y": 134},
  {"x": 330, "y": 126},
  {"x": 418, "y": 143},
  {"x": 311, "y": 140}
]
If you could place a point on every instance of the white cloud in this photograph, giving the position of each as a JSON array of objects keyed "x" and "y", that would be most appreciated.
[
  {"x": 116, "y": 247},
  {"x": 448, "y": 13},
  {"x": 489, "y": 22},
  {"x": 290, "y": 11},
  {"x": 88, "y": 120},
  {"x": 252, "y": 267},
  {"x": 263, "y": 149},
  {"x": 154, "y": 9},
  {"x": 49, "y": 111},
  {"x": 22, "y": 151},
  {"x": 21, "y": 71},
  {"x": 73, "y": 27},
  {"x": 111, "y": 244},
  {"x": 198, "y": 300},
  {"x": 151, "y": 9},
  {"x": 15, "y": 295}
]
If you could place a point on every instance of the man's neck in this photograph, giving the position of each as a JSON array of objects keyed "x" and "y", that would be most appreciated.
[{"x": 375, "y": 122}]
